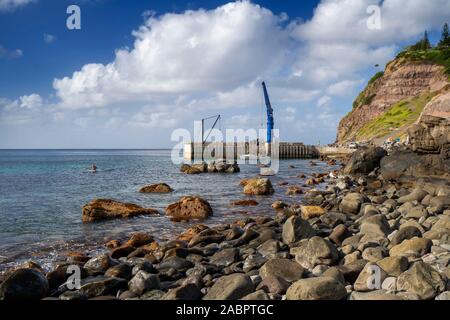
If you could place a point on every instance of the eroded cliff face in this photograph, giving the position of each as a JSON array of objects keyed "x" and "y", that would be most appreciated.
[{"x": 401, "y": 82}]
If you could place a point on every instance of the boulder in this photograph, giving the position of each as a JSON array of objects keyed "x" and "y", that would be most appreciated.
[
  {"x": 416, "y": 195},
  {"x": 316, "y": 251},
  {"x": 104, "y": 209},
  {"x": 321, "y": 288},
  {"x": 102, "y": 286},
  {"x": 225, "y": 257},
  {"x": 351, "y": 203},
  {"x": 24, "y": 284},
  {"x": 231, "y": 287},
  {"x": 139, "y": 239},
  {"x": 405, "y": 233},
  {"x": 422, "y": 280},
  {"x": 377, "y": 295},
  {"x": 143, "y": 282},
  {"x": 394, "y": 266},
  {"x": 296, "y": 229},
  {"x": 408, "y": 163},
  {"x": 375, "y": 225},
  {"x": 309, "y": 212},
  {"x": 339, "y": 234},
  {"x": 189, "y": 208},
  {"x": 415, "y": 247},
  {"x": 99, "y": 264},
  {"x": 284, "y": 268},
  {"x": 156, "y": 188},
  {"x": 258, "y": 187},
  {"x": 274, "y": 284},
  {"x": 185, "y": 292},
  {"x": 370, "y": 278},
  {"x": 365, "y": 160}
]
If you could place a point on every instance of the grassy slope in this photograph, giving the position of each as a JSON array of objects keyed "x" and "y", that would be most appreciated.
[{"x": 403, "y": 113}]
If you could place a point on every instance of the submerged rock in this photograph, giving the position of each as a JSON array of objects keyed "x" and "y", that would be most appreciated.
[
  {"x": 156, "y": 188},
  {"x": 105, "y": 209}
]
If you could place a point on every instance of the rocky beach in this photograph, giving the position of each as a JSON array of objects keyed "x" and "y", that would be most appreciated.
[{"x": 378, "y": 229}]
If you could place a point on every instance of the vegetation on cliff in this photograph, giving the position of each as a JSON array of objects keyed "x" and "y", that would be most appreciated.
[{"x": 401, "y": 114}]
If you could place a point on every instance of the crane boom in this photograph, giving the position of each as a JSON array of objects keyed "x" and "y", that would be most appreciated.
[{"x": 270, "y": 122}]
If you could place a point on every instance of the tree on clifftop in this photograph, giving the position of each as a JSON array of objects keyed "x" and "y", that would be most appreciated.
[
  {"x": 445, "y": 37},
  {"x": 423, "y": 44}
]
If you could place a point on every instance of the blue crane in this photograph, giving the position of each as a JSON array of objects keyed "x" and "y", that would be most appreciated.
[{"x": 270, "y": 121}]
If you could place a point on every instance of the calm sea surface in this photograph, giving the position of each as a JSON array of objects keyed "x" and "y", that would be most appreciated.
[{"x": 42, "y": 193}]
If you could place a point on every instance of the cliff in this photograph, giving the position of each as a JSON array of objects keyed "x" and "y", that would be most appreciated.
[{"x": 414, "y": 84}]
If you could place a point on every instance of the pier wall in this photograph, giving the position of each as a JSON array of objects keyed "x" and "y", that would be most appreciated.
[{"x": 218, "y": 150}]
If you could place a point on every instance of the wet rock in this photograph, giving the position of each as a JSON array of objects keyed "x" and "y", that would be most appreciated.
[
  {"x": 24, "y": 284},
  {"x": 245, "y": 203},
  {"x": 143, "y": 282},
  {"x": 73, "y": 296},
  {"x": 422, "y": 280},
  {"x": 99, "y": 264},
  {"x": 156, "y": 188},
  {"x": 189, "y": 208},
  {"x": 296, "y": 229},
  {"x": 309, "y": 212},
  {"x": 279, "y": 205},
  {"x": 176, "y": 263},
  {"x": 253, "y": 261},
  {"x": 139, "y": 239},
  {"x": 103, "y": 209},
  {"x": 231, "y": 287},
  {"x": 415, "y": 247},
  {"x": 364, "y": 160},
  {"x": 101, "y": 286},
  {"x": 122, "y": 251},
  {"x": 225, "y": 257},
  {"x": 258, "y": 187},
  {"x": 351, "y": 203},
  {"x": 192, "y": 232},
  {"x": 283, "y": 268},
  {"x": 294, "y": 190},
  {"x": 122, "y": 270},
  {"x": 315, "y": 251},
  {"x": 321, "y": 288}
]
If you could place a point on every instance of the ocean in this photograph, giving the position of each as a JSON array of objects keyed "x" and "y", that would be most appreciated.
[{"x": 42, "y": 193}]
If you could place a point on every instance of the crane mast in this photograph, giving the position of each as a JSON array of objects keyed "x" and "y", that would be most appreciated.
[{"x": 270, "y": 122}]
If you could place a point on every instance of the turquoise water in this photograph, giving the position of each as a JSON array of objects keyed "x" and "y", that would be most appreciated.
[{"x": 42, "y": 193}]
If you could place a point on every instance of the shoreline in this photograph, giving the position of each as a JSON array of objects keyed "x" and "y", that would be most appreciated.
[{"x": 329, "y": 240}]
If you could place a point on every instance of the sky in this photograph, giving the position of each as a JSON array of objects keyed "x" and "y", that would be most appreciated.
[{"x": 137, "y": 70}]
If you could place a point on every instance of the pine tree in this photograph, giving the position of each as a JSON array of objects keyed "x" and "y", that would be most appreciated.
[
  {"x": 445, "y": 38},
  {"x": 426, "y": 41}
]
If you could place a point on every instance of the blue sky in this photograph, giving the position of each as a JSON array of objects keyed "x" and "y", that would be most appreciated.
[{"x": 145, "y": 68}]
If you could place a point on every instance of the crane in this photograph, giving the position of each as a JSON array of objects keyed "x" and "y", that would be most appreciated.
[{"x": 270, "y": 122}]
